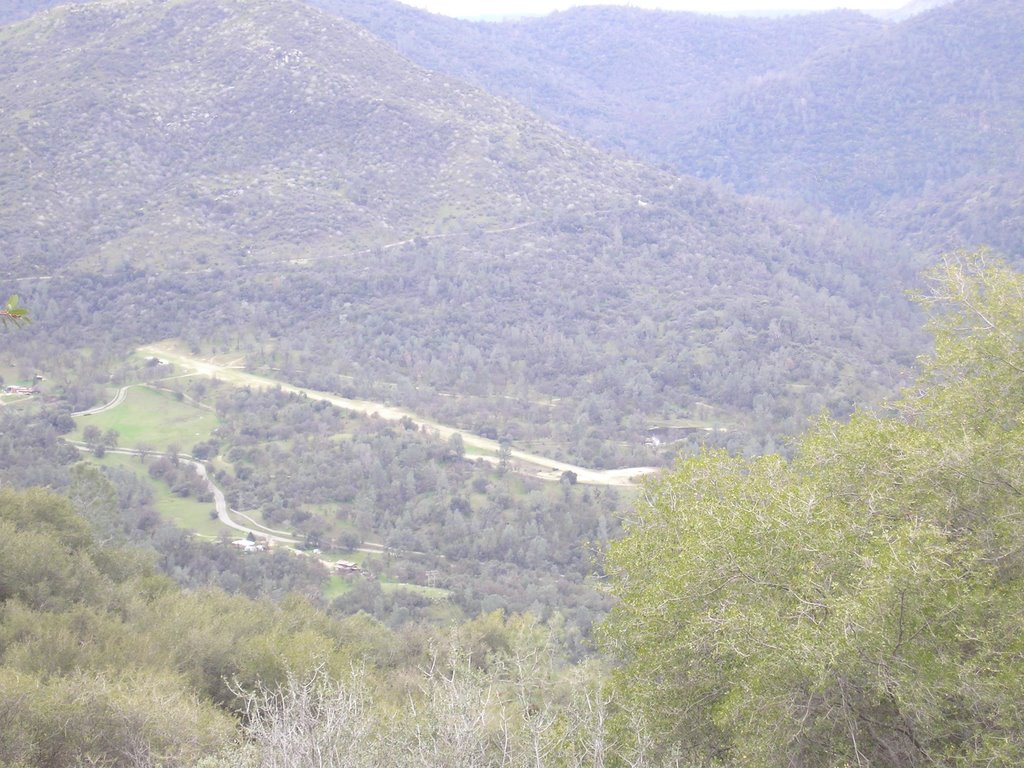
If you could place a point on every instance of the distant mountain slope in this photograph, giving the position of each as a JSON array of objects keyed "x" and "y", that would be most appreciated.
[
  {"x": 835, "y": 109},
  {"x": 260, "y": 178},
  {"x": 625, "y": 77},
  {"x": 931, "y": 100},
  {"x": 901, "y": 121},
  {"x": 986, "y": 208}
]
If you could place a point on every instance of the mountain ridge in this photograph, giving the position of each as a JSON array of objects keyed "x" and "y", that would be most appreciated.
[
  {"x": 862, "y": 115},
  {"x": 335, "y": 122}
]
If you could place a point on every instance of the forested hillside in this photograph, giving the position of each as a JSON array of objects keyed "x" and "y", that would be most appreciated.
[
  {"x": 928, "y": 102},
  {"x": 628, "y": 78},
  {"x": 860, "y": 603},
  {"x": 265, "y": 179},
  {"x": 335, "y": 272},
  {"x": 916, "y": 124},
  {"x": 213, "y": 133}
]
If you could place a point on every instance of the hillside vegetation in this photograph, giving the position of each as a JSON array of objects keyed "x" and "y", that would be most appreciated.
[
  {"x": 859, "y": 602},
  {"x": 227, "y": 218},
  {"x": 265, "y": 179},
  {"x": 168, "y": 135},
  {"x": 627, "y": 78},
  {"x": 915, "y": 124}
]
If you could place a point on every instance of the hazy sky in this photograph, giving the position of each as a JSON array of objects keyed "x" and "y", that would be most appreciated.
[{"x": 476, "y": 8}]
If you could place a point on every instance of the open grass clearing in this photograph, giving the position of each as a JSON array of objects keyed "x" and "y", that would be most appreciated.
[
  {"x": 155, "y": 418},
  {"x": 333, "y": 555},
  {"x": 340, "y": 585},
  {"x": 337, "y": 586}
]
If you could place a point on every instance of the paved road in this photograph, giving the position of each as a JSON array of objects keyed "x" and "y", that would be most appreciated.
[
  {"x": 219, "y": 502},
  {"x": 538, "y": 466}
]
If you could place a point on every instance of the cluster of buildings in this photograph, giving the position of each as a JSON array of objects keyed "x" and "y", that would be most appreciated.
[
  {"x": 340, "y": 567},
  {"x": 14, "y": 389},
  {"x": 347, "y": 568},
  {"x": 249, "y": 545},
  {"x": 23, "y": 389}
]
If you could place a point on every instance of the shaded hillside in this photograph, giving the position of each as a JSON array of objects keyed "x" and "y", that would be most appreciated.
[
  {"x": 835, "y": 109},
  {"x": 987, "y": 208},
  {"x": 262, "y": 179},
  {"x": 934, "y": 99},
  {"x": 625, "y": 77}
]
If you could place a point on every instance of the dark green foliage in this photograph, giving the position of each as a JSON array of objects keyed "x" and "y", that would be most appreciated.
[
  {"x": 192, "y": 563},
  {"x": 493, "y": 542},
  {"x": 31, "y": 452}
]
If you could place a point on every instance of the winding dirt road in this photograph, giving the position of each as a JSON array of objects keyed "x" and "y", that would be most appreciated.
[{"x": 532, "y": 464}]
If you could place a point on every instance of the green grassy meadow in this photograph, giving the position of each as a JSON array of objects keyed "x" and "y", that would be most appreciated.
[
  {"x": 340, "y": 585},
  {"x": 433, "y": 593},
  {"x": 155, "y": 418},
  {"x": 336, "y": 587},
  {"x": 158, "y": 419}
]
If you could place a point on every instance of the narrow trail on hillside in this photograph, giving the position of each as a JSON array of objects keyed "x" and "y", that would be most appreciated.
[
  {"x": 531, "y": 464},
  {"x": 303, "y": 261}
]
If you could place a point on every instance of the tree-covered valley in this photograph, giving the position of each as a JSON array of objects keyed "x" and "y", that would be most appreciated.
[{"x": 593, "y": 389}]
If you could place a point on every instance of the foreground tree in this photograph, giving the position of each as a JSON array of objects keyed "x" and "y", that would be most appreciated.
[{"x": 861, "y": 604}]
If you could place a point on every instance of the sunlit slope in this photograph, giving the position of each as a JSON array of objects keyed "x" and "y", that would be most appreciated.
[{"x": 206, "y": 131}]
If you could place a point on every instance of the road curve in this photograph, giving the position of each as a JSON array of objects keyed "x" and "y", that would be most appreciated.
[
  {"x": 122, "y": 393},
  {"x": 219, "y": 502},
  {"x": 541, "y": 467}
]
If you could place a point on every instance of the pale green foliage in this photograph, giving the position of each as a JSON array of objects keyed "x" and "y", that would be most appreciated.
[
  {"x": 138, "y": 719},
  {"x": 494, "y": 693},
  {"x": 13, "y": 312},
  {"x": 861, "y": 603},
  {"x": 94, "y": 497}
]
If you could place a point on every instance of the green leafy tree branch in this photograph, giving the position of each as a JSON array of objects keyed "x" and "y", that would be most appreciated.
[{"x": 14, "y": 312}]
